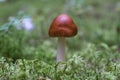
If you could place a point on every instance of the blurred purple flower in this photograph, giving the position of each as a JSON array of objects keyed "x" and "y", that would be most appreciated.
[
  {"x": 24, "y": 23},
  {"x": 27, "y": 24}
]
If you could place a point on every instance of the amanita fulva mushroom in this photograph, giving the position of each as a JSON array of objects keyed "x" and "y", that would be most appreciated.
[{"x": 61, "y": 27}]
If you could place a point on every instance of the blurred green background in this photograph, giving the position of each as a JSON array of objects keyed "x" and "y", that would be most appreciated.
[{"x": 98, "y": 24}]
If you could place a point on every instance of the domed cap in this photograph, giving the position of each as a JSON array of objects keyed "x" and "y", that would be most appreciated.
[{"x": 63, "y": 26}]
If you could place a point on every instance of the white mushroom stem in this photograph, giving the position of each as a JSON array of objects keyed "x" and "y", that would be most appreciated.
[{"x": 61, "y": 49}]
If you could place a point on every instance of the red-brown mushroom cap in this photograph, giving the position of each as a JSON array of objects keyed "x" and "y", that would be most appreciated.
[{"x": 63, "y": 26}]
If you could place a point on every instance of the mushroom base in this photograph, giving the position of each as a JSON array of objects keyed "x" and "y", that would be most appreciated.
[{"x": 61, "y": 49}]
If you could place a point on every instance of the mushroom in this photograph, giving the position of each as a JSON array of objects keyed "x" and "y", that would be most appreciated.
[{"x": 61, "y": 27}]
